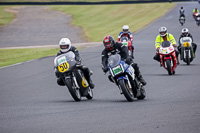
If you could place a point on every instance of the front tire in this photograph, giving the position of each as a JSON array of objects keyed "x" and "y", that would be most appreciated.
[
  {"x": 168, "y": 62},
  {"x": 187, "y": 58},
  {"x": 128, "y": 93},
  {"x": 73, "y": 91}
]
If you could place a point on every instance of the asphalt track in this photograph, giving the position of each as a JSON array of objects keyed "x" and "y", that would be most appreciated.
[{"x": 31, "y": 101}]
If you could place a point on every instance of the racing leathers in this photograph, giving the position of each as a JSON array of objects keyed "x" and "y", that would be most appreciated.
[
  {"x": 193, "y": 44},
  {"x": 85, "y": 69},
  {"x": 123, "y": 52}
]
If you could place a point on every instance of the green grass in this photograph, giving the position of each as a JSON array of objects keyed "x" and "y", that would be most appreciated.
[
  {"x": 100, "y": 20},
  {"x": 12, "y": 56},
  {"x": 5, "y": 16},
  {"x": 96, "y": 21}
]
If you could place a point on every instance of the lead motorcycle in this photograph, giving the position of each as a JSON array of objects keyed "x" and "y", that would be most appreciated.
[
  {"x": 123, "y": 76},
  {"x": 168, "y": 57},
  {"x": 187, "y": 53},
  {"x": 67, "y": 68}
]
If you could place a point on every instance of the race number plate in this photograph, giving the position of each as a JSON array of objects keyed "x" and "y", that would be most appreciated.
[
  {"x": 63, "y": 67},
  {"x": 116, "y": 70}
]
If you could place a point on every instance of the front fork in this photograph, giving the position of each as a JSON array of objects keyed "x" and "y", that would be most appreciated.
[{"x": 74, "y": 81}]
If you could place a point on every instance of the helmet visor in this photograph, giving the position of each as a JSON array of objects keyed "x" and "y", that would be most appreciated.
[
  {"x": 108, "y": 44},
  {"x": 125, "y": 30},
  {"x": 64, "y": 46},
  {"x": 163, "y": 33}
]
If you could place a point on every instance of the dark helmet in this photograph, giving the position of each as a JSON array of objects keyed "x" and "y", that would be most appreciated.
[
  {"x": 108, "y": 42},
  {"x": 181, "y": 7}
]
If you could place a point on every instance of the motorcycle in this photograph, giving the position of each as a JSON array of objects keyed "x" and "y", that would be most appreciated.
[
  {"x": 168, "y": 57},
  {"x": 125, "y": 41},
  {"x": 67, "y": 68},
  {"x": 194, "y": 15},
  {"x": 187, "y": 53},
  {"x": 182, "y": 20},
  {"x": 198, "y": 19},
  {"x": 123, "y": 76}
]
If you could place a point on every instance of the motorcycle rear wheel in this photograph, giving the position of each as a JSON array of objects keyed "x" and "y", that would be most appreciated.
[
  {"x": 126, "y": 90},
  {"x": 73, "y": 91}
]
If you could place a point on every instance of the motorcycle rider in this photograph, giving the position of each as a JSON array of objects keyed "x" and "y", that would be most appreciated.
[
  {"x": 164, "y": 36},
  {"x": 111, "y": 48},
  {"x": 195, "y": 10},
  {"x": 125, "y": 32},
  {"x": 181, "y": 10},
  {"x": 65, "y": 46},
  {"x": 185, "y": 33}
]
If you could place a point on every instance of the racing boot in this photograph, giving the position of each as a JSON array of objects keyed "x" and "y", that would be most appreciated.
[
  {"x": 138, "y": 74},
  {"x": 90, "y": 81},
  {"x": 140, "y": 78}
]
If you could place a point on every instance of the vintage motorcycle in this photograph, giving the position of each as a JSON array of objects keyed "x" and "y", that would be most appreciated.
[
  {"x": 182, "y": 20},
  {"x": 187, "y": 53},
  {"x": 67, "y": 68},
  {"x": 168, "y": 57},
  {"x": 123, "y": 76},
  {"x": 125, "y": 41}
]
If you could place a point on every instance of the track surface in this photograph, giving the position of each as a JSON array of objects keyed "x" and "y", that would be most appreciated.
[{"x": 31, "y": 101}]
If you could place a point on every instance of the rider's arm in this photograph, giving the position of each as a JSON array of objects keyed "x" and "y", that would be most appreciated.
[
  {"x": 77, "y": 56},
  {"x": 172, "y": 39},
  {"x": 104, "y": 58},
  {"x": 119, "y": 36},
  {"x": 131, "y": 36},
  {"x": 123, "y": 49},
  {"x": 157, "y": 42}
]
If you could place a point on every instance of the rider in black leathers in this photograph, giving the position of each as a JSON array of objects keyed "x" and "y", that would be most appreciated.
[
  {"x": 185, "y": 33},
  {"x": 65, "y": 46},
  {"x": 112, "y": 47}
]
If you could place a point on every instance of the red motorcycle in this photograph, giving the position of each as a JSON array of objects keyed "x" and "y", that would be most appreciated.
[
  {"x": 125, "y": 41},
  {"x": 168, "y": 57}
]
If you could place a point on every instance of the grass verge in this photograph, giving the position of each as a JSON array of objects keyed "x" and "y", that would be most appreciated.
[
  {"x": 5, "y": 16},
  {"x": 13, "y": 56},
  {"x": 100, "y": 20}
]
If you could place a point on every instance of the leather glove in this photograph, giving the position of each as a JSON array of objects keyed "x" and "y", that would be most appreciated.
[
  {"x": 158, "y": 49},
  {"x": 105, "y": 69},
  {"x": 175, "y": 46}
]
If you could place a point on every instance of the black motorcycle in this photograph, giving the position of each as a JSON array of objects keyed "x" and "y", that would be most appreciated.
[
  {"x": 68, "y": 69},
  {"x": 182, "y": 20}
]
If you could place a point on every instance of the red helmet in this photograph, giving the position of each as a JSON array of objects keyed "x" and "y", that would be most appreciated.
[{"x": 108, "y": 42}]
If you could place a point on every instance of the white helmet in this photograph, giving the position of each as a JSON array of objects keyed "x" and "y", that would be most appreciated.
[
  {"x": 163, "y": 31},
  {"x": 125, "y": 28},
  {"x": 185, "y": 30},
  {"x": 65, "y": 44}
]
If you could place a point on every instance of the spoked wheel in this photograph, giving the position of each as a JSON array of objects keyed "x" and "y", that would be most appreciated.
[
  {"x": 75, "y": 92},
  {"x": 90, "y": 94},
  {"x": 127, "y": 91}
]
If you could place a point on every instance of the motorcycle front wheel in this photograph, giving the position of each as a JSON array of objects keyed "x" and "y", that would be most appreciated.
[
  {"x": 187, "y": 58},
  {"x": 73, "y": 91},
  {"x": 168, "y": 62},
  {"x": 128, "y": 93}
]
